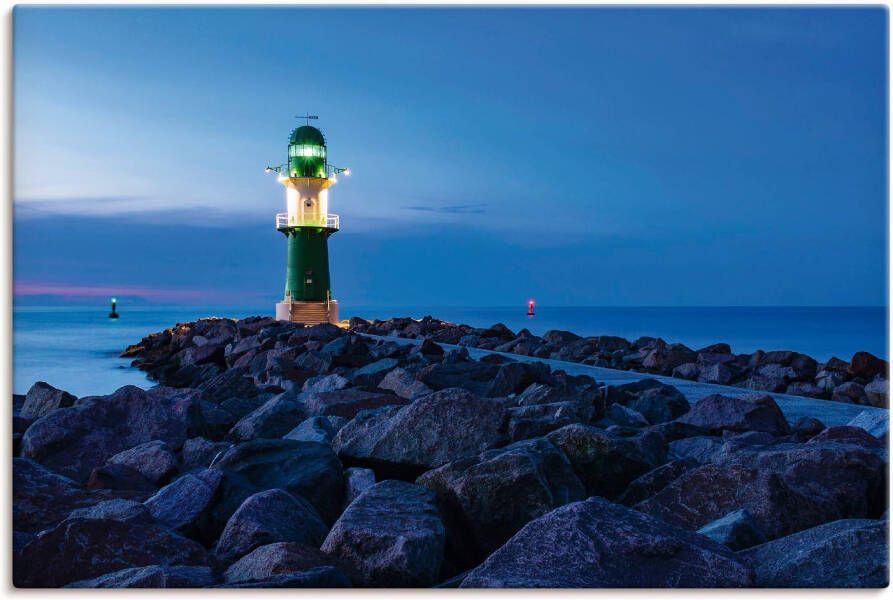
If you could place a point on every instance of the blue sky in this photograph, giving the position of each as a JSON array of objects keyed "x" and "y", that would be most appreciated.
[{"x": 580, "y": 156}]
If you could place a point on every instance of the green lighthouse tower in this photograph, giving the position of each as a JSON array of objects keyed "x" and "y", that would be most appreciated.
[{"x": 307, "y": 225}]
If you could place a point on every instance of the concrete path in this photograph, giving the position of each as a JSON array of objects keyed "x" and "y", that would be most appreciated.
[{"x": 793, "y": 407}]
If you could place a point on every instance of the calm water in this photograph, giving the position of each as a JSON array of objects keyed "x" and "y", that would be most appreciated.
[{"x": 77, "y": 348}]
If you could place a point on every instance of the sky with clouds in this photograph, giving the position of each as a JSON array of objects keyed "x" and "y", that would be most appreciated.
[{"x": 582, "y": 156}]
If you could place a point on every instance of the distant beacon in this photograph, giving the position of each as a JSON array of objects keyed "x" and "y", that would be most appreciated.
[{"x": 307, "y": 225}]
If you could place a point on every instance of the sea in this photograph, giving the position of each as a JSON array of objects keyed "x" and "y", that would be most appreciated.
[{"x": 77, "y": 348}]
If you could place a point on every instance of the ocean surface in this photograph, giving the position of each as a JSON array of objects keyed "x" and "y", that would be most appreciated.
[{"x": 77, "y": 349}]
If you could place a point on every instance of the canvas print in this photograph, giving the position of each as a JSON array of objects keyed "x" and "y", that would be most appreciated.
[{"x": 450, "y": 297}]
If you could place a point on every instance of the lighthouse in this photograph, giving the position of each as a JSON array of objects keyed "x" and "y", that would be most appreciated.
[{"x": 307, "y": 225}]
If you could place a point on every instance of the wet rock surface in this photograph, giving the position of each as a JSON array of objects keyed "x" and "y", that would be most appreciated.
[{"x": 277, "y": 455}]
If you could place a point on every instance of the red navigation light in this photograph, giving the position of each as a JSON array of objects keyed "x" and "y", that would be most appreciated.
[{"x": 530, "y": 304}]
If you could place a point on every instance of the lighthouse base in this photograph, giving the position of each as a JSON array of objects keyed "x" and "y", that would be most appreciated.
[{"x": 308, "y": 313}]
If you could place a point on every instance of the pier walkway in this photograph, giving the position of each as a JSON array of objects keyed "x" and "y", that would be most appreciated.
[{"x": 793, "y": 407}]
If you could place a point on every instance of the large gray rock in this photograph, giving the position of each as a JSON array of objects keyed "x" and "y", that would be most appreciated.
[
  {"x": 356, "y": 481},
  {"x": 316, "y": 429},
  {"x": 275, "y": 418},
  {"x": 595, "y": 543},
  {"x": 348, "y": 402},
  {"x": 606, "y": 463},
  {"x": 42, "y": 399},
  {"x": 181, "y": 503},
  {"x": 660, "y": 404},
  {"x": 850, "y": 391},
  {"x": 42, "y": 498},
  {"x": 654, "y": 481},
  {"x": 314, "y": 577},
  {"x": 155, "y": 576},
  {"x": 878, "y": 392},
  {"x": 268, "y": 517},
  {"x": 117, "y": 509},
  {"x": 199, "y": 452},
  {"x": 700, "y": 448},
  {"x": 786, "y": 488},
  {"x": 79, "y": 549},
  {"x": 276, "y": 559},
  {"x": 752, "y": 413},
  {"x": 845, "y": 553},
  {"x": 74, "y": 440},
  {"x": 307, "y": 469},
  {"x": 737, "y": 530},
  {"x": 487, "y": 498},
  {"x": 391, "y": 536},
  {"x": 153, "y": 460},
  {"x": 404, "y": 384},
  {"x": 431, "y": 431}
]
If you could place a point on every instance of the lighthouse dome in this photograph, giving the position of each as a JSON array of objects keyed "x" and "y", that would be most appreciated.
[
  {"x": 307, "y": 153},
  {"x": 308, "y": 135}
]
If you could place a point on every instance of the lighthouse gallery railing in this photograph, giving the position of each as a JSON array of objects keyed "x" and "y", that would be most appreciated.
[{"x": 332, "y": 221}]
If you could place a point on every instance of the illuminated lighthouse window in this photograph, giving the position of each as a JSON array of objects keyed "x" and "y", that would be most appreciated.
[{"x": 307, "y": 151}]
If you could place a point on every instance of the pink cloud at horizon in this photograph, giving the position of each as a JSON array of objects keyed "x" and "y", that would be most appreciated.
[{"x": 34, "y": 288}]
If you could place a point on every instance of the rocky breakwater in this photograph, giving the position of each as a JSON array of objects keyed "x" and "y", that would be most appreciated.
[
  {"x": 277, "y": 455},
  {"x": 864, "y": 379}
]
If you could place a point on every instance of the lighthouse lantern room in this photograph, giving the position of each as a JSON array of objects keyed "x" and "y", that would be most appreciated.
[{"x": 307, "y": 225}]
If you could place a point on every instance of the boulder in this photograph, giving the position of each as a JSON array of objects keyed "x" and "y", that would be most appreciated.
[
  {"x": 845, "y": 553},
  {"x": 42, "y": 498},
  {"x": 687, "y": 371},
  {"x": 181, "y": 503},
  {"x": 154, "y": 576},
  {"x": 660, "y": 404},
  {"x": 699, "y": 449},
  {"x": 432, "y": 431},
  {"x": 514, "y": 377},
  {"x": 356, "y": 481},
  {"x": 617, "y": 414},
  {"x": 200, "y": 453},
  {"x": 875, "y": 422},
  {"x": 275, "y": 418},
  {"x": 325, "y": 383},
  {"x": 737, "y": 530},
  {"x": 867, "y": 366},
  {"x": 716, "y": 372},
  {"x": 74, "y": 440},
  {"x": 847, "y": 434},
  {"x": 153, "y": 460},
  {"x": 236, "y": 382},
  {"x": 42, "y": 399},
  {"x": 607, "y": 463},
  {"x": 314, "y": 577},
  {"x": 473, "y": 376},
  {"x": 751, "y": 413},
  {"x": 121, "y": 478},
  {"x": 487, "y": 498},
  {"x": 806, "y": 428},
  {"x": 348, "y": 402},
  {"x": 654, "y": 481},
  {"x": 307, "y": 469},
  {"x": 878, "y": 393},
  {"x": 116, "y": 509},
  {"x": 79, "y": 549},
  {"x": 786, "y": 488},
  {"x": 316, "y": 429},
  {"x": 268, "y": 517},
  {"x": 391, "y": 536},
  {"x": 404, "y": 384},
  {"x": 276, "y": 559},
  {"x": 595, "y": 543},
  {"x": 851, "y": 392}
]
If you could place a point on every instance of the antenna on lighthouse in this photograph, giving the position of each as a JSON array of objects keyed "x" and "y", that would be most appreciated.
[{"x": 307, "y": 117}]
